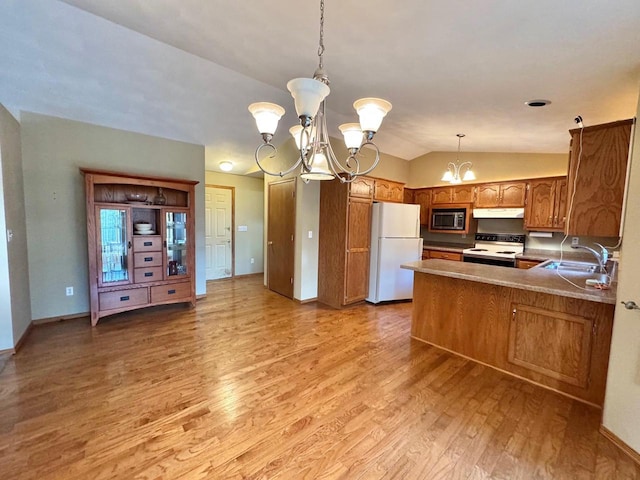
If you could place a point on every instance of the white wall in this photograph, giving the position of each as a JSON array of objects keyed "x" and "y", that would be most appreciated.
[
  {"x": 249, "y": 211},
  {"x": 15, "y": 308},
  {"x": 53, "y": 150},
  {"x": 622, "y": 401}
]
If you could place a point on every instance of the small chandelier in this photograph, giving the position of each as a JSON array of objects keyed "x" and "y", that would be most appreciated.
[
  {"x": 317, "y": 160},
  {"x": 454, "y": 170}
]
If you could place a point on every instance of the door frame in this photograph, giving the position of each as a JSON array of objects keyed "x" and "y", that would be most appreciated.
[{"x": 233, "y": 224}]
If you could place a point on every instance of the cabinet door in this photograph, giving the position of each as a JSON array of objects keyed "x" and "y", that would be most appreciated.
[
  {"x": 463, "y": 194},
  {"x": 114, "y": 246},
  {"x": 423, "y": 198},
  {"x": 552, "y": 343},
  {"x": 600, "y": 181},
  {"x": 396, "y": 192},
  {"x": 441, "y": 195},
  {"x": 409, "y": 196},
  {"x": 488, "y": 195},
  {"x": 361, "y": 187},
  {"x": 512, "y": 195},
  {"x": 176, "y": 242},
  {"x": 560, "y": 203},
  {"x": 358, "y": 244},
  {"x": 540, "y": 210}
]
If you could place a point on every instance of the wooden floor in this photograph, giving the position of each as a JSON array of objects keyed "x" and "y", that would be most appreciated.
[{"x": 252, "y": 385}]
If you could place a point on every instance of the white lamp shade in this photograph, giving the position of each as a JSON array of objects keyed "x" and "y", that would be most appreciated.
[
  {"x": 352, "y": 134},
  {"x": 469, "y": 175},
  {"x": 267, "y": 116},
  {"x": 447, "y": 177},
  {"x": 371, "y": 112},
  {"x": 295, "y": 132},
  {"x": 307, "y": 94},
  {"x": 319, "y": 169}
]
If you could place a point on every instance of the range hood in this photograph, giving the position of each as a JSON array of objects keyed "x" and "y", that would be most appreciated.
[{"x": 498, "y": 213}]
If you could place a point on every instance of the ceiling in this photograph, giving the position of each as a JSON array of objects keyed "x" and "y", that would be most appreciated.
[{"x": 188, "y": 69}]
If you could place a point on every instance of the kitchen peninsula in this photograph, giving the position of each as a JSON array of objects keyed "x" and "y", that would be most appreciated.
[{"x": 528, "y": 323}]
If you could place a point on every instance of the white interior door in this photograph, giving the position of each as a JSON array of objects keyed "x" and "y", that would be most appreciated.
[{"x": 218, "y": 232}]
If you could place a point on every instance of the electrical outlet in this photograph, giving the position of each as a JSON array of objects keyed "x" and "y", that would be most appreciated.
[
  {"x": 252, "y": 260},
  {"x": 69, "y": 291},
  {"x": 575, "y": 240}
]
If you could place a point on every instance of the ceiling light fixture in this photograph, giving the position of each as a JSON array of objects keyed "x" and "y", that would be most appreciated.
[
  {"x": 317, "y": 159},
  {"x": 452, "y": 175},
  {"x": 226, "y": 166},
  {"x": 538, "y": 103}
]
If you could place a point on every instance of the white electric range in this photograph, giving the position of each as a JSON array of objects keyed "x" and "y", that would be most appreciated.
[{"x": 495, "y": 249}]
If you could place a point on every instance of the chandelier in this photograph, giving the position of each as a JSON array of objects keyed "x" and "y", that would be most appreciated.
[
  {"x": 317, "y": 161},
  {"x": 454, "y": 170}
]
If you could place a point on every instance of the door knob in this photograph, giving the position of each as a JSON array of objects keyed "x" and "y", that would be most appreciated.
[
  {"x": 630, "y": 305},
  {"x": 269, "y": 242}
]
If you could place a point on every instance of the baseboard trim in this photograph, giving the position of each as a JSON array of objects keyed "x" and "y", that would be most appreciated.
[
  {"x": 10, "y": 351},
  {"x": 613, "y": 438},
  {"x": 23, "y": 338},
  {"x": 201, "y": 296},
  {"x": 308, "y": 300},
  {"x": 42, "y": 321}
]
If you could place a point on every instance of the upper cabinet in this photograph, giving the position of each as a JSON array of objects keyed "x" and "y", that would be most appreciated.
[
  {"x": 388, "y": 191},
  {"x": 546, "y": 204},
  {"x": 505, "y": 194},
  {"x": 422, "y": 197},
  {"x": 362, "y": 187},
  {"x": 597, "y": 174},
  {"x": 454, "y": 194}
]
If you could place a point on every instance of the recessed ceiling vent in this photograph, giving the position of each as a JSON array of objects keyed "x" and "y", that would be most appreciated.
[{"x": 538, "y": 103}]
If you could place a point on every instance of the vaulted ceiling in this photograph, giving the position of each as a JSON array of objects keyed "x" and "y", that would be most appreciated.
[{"x": 187, "y": 69}]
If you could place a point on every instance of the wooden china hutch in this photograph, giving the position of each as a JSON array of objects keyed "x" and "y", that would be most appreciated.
[{"x": 141, "y": 241}]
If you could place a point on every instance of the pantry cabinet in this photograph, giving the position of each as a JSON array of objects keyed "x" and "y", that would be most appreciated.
[
  {"x": 422, "y": 197},
  {"x": 597, "y": 176},
  {"x": 546, "y": 204},
  {"x": 344, "y": 241},
  {"x": 141, "y": 241}
]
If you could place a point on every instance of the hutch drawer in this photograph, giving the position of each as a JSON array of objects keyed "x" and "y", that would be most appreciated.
[
  {"x": 147, "y": 243},
  {"x": 147, "y": 259},
  {"x": 149, "y": 274},
  {"x": 123, "y": 298},
  {"x": 162, "y": 293}
]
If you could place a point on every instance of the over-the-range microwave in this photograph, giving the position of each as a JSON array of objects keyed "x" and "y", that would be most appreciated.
[{"x": 451, "y": 218}]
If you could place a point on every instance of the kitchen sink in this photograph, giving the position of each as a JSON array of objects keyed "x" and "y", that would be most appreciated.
[{"x": 578, "y": 267}]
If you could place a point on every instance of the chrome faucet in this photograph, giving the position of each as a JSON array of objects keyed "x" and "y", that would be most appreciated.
[{"x": 602, "y": 256}]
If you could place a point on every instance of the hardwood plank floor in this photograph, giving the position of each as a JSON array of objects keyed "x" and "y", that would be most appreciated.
[{"x": 252, "y": 385}]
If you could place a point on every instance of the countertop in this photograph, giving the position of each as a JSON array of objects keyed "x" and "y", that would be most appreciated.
[
  {"x": 446, "y": 247},
  {"x": 534, "y": 279}
]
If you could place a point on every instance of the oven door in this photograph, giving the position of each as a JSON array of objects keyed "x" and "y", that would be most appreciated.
[{"x": 502, "y": 262}]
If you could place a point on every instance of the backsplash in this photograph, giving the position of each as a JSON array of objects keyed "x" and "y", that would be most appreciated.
[{"x": 515, "y": 225}]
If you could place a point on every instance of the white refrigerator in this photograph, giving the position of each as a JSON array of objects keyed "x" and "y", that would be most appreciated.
[{"x": 395, "y": 239}]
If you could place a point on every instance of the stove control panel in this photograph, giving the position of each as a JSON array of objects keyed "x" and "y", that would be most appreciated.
[{"x": 500, "y": 237}]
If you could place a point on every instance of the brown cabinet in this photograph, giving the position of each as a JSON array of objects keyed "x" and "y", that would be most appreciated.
[
  {"x": 439, "y": 254},
  {"x": 388, "y": 191},
  {"x": 136, "y": 246},
  {"x": 409, "y": 196},
  {"x": 344, "y": 241},
  {"x": 597, "y": 186},
  {"x": 422, "y": 197},
  {"x": 454, "y": 194},
  {"x": 506, "y": 194},
  {"x": 546, "y": 204},
  {"x": 554, "y": 344},
  {"x": 526, "y": 264}
]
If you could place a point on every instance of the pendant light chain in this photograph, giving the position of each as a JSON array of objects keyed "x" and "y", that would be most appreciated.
[{"x": 321, "y": 43}]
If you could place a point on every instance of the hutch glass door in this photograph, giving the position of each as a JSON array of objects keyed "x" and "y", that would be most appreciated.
[
  {"x": 176, "y": 243},
  {"x": 114, "y": 244}
]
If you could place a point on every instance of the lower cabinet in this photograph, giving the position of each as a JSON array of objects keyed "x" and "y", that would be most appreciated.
[
  {"x": 551, "y": 340},
  {"x": 554, "y": 344},
  {"x": 456, "y": 257}
]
